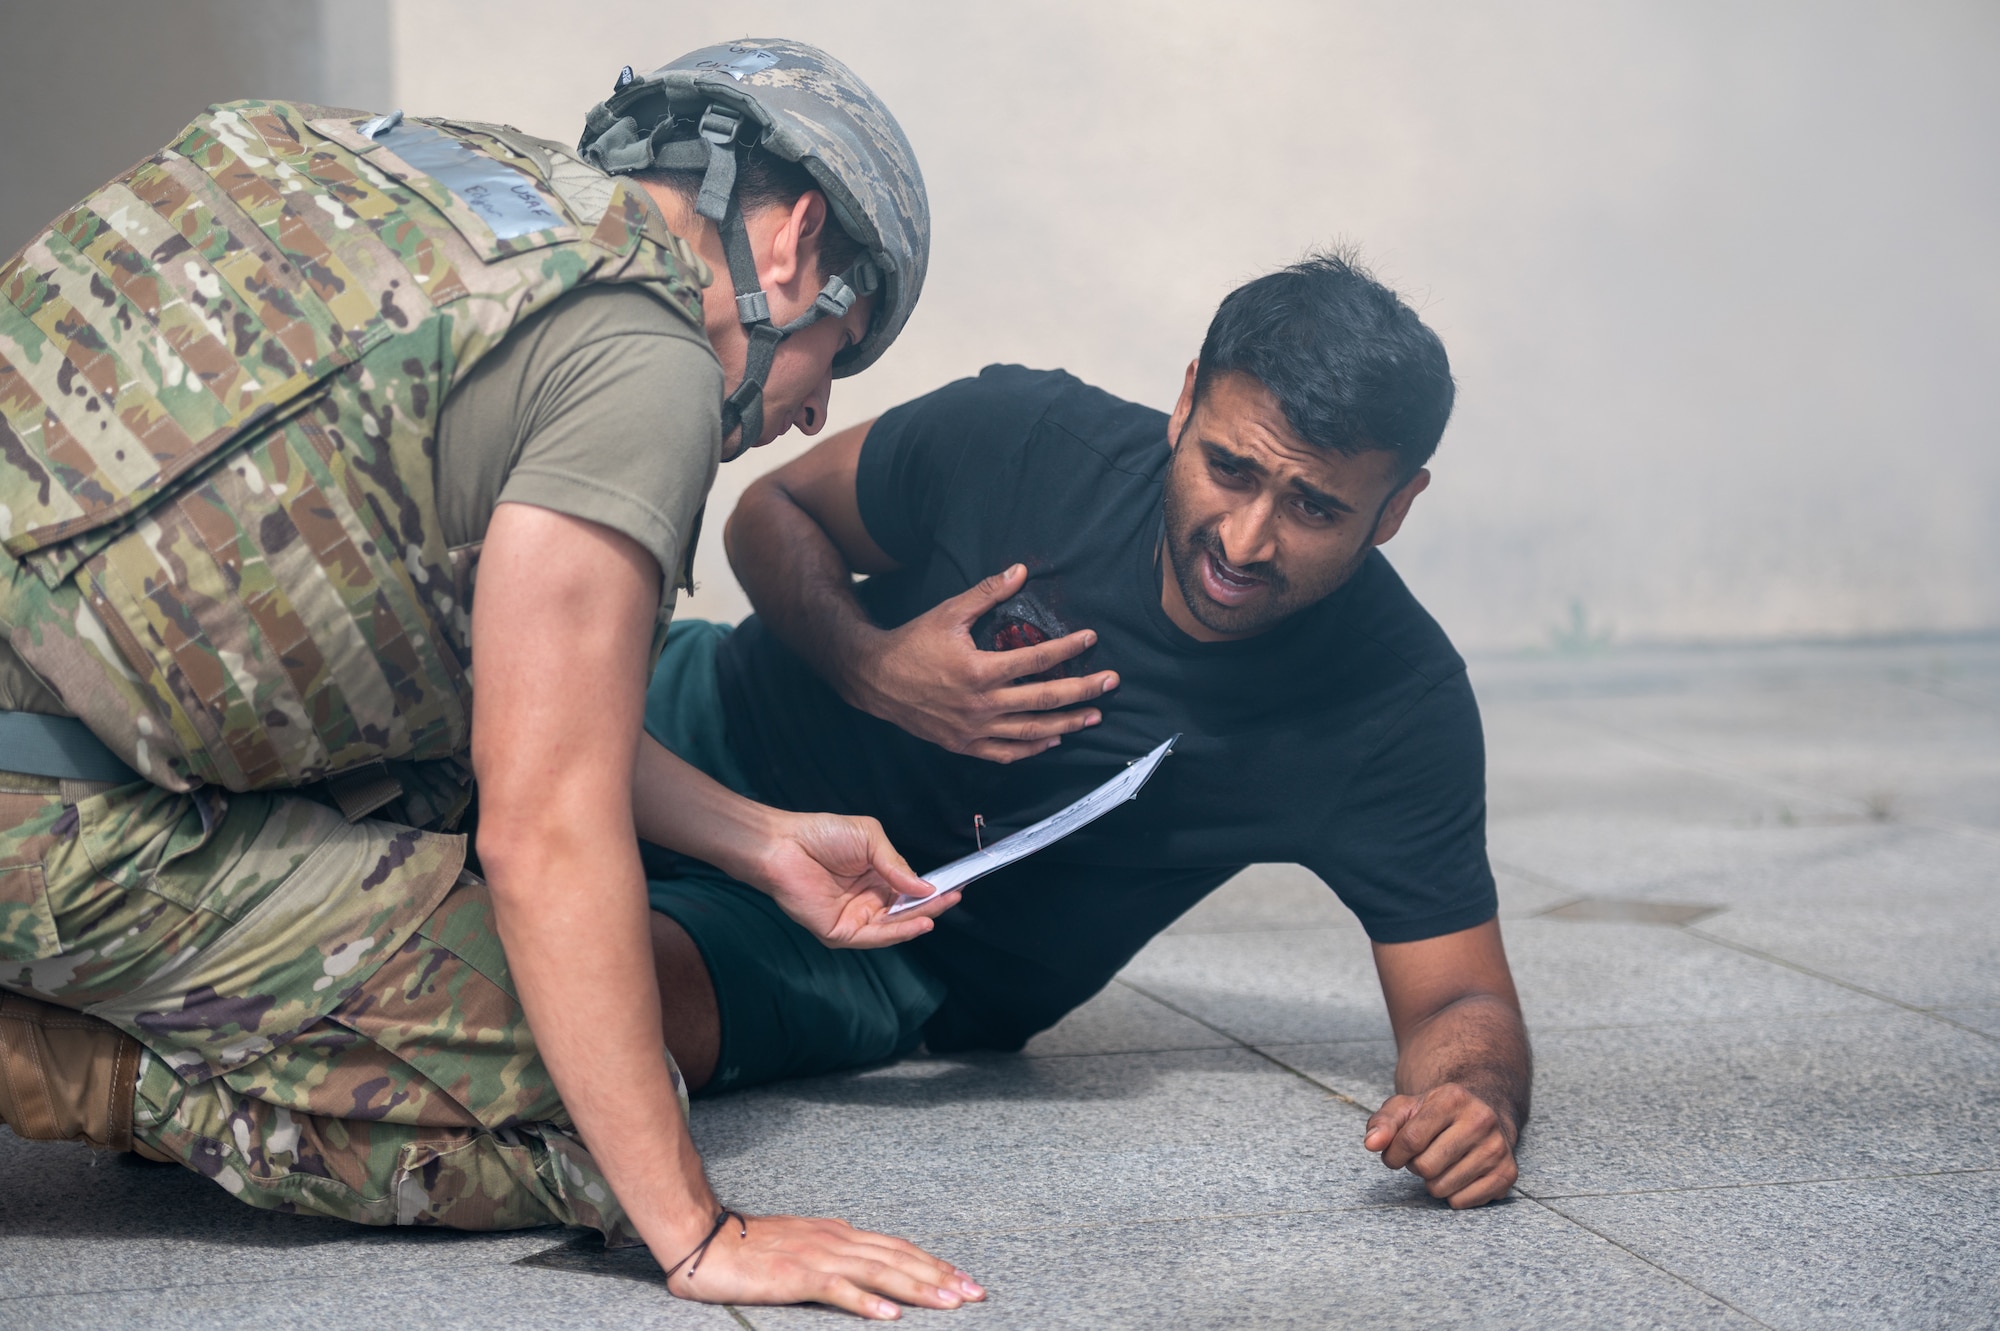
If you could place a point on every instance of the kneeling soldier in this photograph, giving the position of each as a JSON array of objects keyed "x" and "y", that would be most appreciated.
[{"x": 267, "y": 403}]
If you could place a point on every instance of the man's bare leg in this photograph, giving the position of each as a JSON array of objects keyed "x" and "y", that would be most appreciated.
[{"x": 692, "y": 1021}]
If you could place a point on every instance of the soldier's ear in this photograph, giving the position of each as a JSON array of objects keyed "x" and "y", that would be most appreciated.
[{"x": 795, "y": 240}]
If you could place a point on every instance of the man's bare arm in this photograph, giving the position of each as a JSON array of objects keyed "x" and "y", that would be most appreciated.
[
  {"x": 1463, "y": 1066},
  {"x": 795, "y": 542}
]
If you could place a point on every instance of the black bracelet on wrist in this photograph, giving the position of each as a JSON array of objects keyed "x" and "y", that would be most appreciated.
[{"x": 701, "y": 1249}]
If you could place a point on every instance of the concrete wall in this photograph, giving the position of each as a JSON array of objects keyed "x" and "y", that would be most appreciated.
[
  {"x": 1718, "y": 279},
  {"x": 87, "y": 87}
]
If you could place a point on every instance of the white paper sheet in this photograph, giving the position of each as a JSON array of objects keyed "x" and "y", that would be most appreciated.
[{"x": 1047, "y": 832}]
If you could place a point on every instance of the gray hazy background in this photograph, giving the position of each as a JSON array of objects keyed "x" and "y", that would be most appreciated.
[{"x": 1719, "y": 281}]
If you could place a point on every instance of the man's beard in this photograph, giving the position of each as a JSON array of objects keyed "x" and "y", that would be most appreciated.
[{"x": 1186, "y": 547}]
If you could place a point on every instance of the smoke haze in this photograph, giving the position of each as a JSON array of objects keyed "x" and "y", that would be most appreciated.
[{"x": 1718, "y": 280}]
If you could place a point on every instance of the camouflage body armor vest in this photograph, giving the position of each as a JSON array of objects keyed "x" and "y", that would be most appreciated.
[{"x": 220, "y": 381}]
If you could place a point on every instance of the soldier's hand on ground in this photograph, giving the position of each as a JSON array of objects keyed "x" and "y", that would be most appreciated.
[
  {"x": 789, "y": 1259},
  {"x": 837, "y": 876},
  {"x": 1458, "y": 1144},
  {"x": 935, "y": 682}
]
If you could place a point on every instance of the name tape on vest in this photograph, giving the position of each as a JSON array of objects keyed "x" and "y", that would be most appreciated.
[{"x": 504, "y": 198}]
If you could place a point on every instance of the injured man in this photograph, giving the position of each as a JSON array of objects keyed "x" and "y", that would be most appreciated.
[{"x": 1057, "y": 581}]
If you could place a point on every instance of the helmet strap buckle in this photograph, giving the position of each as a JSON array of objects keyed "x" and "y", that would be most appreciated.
[
  {"x": 835, "y": 299},
  {"x": 719, "y": 127}
]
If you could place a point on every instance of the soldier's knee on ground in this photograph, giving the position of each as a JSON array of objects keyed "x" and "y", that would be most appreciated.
[
  {"x": 67, "y": 1077},
  {"x": 376, "y": 1172}
]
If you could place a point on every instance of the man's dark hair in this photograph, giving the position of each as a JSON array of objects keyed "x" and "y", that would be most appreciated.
[
  {"x": 764, "y": 181},
  {"x": 1352, "y": 366}
]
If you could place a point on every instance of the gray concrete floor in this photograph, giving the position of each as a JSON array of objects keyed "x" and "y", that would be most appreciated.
[{"x": 1783, "y": 1111}]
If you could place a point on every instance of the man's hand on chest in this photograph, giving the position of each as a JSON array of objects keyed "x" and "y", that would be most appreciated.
[{"x": 933, "y": 679}]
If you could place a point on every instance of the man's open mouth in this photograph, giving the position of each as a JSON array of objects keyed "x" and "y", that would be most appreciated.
[{"x": 1225, "y": 583}]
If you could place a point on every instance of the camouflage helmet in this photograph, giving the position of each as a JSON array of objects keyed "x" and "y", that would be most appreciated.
[{"x": 799, "y": 104}]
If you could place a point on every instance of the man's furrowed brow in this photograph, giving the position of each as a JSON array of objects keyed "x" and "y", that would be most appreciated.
[
  {"x": 1332, "y": 503},
  {"x": 1236, "y": 460}
]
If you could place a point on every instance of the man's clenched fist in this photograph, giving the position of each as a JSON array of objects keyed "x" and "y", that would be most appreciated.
[{"x": 1454, "y": 1141}]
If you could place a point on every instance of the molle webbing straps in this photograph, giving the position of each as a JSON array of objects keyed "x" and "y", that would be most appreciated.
[{"x": 220, "y": 382}]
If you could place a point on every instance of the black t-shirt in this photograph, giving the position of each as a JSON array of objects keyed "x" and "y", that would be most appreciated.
[{"x": 1345, "y": 740}]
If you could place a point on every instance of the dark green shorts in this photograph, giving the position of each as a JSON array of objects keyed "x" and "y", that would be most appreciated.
[{"x": 791, "y": 1007}]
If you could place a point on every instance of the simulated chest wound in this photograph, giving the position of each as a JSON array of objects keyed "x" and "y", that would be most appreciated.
[{"x": 1025, "y": 620}]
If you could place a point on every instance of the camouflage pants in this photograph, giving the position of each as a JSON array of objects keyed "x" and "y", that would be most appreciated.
[{"x": 326, "y": 1011}]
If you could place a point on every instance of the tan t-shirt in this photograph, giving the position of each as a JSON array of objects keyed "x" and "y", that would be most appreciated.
[{"x": 603, "y": 406}]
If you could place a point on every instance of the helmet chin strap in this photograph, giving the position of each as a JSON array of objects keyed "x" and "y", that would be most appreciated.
[{"x": 744, "y": 407}]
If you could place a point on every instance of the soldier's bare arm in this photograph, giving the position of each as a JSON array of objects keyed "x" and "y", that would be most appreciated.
[
  {"x": 835, "y": 875},
  {"x": 1463, "y": 1067},
  {"x": 565, "y": 600},
  {"x": 560, "y": 631},
  {"x": 797, "y": 538}
]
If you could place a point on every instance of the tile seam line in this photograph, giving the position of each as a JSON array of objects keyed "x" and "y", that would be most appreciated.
[
  {"x": 1273, "y": 1060},
  {"x": 1413, "y": 1204},
  {"x": 1553, "y": 1210},
  {"x": 1722, "y": 770},
  {"x": 1977, "y": 705},
  {"x": 1696, "y": 763},
  {"x": 1135, "y": 1053},
  {"x": 1666, "y": 1271},
  {"x": 1775, "y": 960},
  {"x": 1553, "y": 1028},
  {"x": 1765, "y": 1183},
  {"x": 1695, "y": 931}
]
